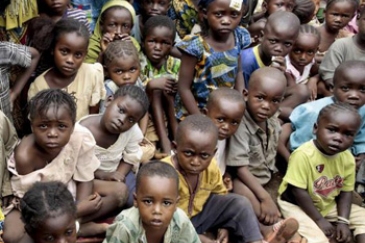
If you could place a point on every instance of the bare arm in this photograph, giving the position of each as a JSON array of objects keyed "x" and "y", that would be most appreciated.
[
  {"x": 283, "y": 150},
  {"x": 240, "y": 81},
  {"x": 186, "y": 76}
]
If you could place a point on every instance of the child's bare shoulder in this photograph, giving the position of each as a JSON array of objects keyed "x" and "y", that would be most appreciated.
[{"x": 25, "y": 154}]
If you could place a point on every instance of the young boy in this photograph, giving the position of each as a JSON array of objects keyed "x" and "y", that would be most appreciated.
[
  {"x": 280, "y": 33},
  {"x": 252, "y": 149},
  {"x": 155, "y": 216},
  {"x": 349, "y": 86},
  {"x": 161, "y": 71},
  {"x": 227, "y": 122},
  {"x": 318, "y": 185},
  {"x": 202, "y": 192}
]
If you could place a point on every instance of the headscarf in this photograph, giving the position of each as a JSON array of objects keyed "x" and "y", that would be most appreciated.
[{"x": 94, "y": 45}]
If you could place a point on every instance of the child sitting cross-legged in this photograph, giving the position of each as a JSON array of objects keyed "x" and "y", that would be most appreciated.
[
  {"x": 203, "y": 195},
  {"x": 155, "y": 216},
  {"x": 317, "y": 188}
]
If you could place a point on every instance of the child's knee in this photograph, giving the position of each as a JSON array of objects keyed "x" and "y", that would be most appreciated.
[
  {"x": 120, "y": 193},
  {"x": 301, "y": 93}
]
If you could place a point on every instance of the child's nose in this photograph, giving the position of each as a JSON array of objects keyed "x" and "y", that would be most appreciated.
[
  {"x": 226, "y": 20},
  {"x": 52, "y": 132}
]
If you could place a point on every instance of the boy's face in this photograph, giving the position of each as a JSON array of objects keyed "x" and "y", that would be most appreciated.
[
  {"x": 335, "y": 132},
  {"x": 156, "y": 199},
  {"x": 123, "y": 70},
  {"x": 304, "y": 50},
  {"x": 117, "y": 21},
  {"x": 278, "y": 41},
  {"x": 58, "y": 6},
  {"x": 155, "y": 7},
  {"x": 349, "y": 87},
  {"x": 195, "y": 150},
  {"x": 226, "y": 115},
  {"x": 339, "y": 14},
  {"x": 158, "y": 44},
  {"x": 272, "y": 6},
  {"x": 264, "y": 98},
  {"x": 121, "y": 114}
]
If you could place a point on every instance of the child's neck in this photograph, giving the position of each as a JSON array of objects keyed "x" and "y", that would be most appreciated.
[
  {"x": 55, "y": 16},
  {"x": 219, "y": 42},
  {"x": 56, "y": 80},
  {"x": 266, "y": 59},
  {"x": 158, "y": 65}
]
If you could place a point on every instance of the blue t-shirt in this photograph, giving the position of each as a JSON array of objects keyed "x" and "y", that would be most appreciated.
[{"x": 250, "y": 61}]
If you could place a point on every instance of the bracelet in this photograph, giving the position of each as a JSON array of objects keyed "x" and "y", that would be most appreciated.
[{"x": 343, "y": 220}]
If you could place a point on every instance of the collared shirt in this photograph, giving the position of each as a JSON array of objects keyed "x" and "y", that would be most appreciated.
[
  {"x": 253, "y": 147},
  {"x": 128, "y": 228}
]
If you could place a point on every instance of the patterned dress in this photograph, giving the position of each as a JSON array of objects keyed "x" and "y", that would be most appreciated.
[{"x": 185, "y": 15}]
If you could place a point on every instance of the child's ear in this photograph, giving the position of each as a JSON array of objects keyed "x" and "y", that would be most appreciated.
[
  {"x": 108, "y": 100},
  {"x": 245, "y": 94},
  {"x": 205, "y": 111},
  {"x": 134, "y": 199},
  {"x": 264, "y": 6},
  {"x": 204, "y": 11},
  {"x": 315, "y": 128},
  {"x": 174, "y": 146}
]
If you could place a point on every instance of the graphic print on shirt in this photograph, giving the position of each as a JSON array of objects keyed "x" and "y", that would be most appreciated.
[{"x": 324, "y": 186}]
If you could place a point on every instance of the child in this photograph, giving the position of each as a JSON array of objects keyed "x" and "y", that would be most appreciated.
[
  {"x": 161, "y": 70},
  {"x": 185, "y": 15},
  {"x": 280, "y": 34},
  {"x": 115, "y": 22},
  {"x": 227, "y": 122},
  {"x": 117, "y": 137},
  {"x": 317, "y": 188},
  {"x": 56, "y": 150},
  {"x": 349, "y": 86},
  {"x": 210, "y": 59},
  {"x": 14, "y": 54},
  {"x": 83, "y": 81},
  {"x": 304, "y": 10},
  {"x": 202, "y": 190},
  {"x": 49, "y": 213},
  {"x": 252, "y": 149},
  {"x": 155, "y": 216},
  {"x": 300, "y": 61},
  {"x": 269, "y": 7},
  {"x": 344, "y": 49},
  {"x": 57, "y": 10}
]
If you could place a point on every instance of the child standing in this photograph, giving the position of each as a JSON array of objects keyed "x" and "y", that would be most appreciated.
[
  {"x": 300, "y": 61},
  {"x": 318, "y": 185},
  {"x": 115, "y": 22},
  {"x": 84, "y": 81},
  {"x": 210, "y": 59},
  {"x": 155, "y": 216},
  {"x": 117, "y": 137},
  {"x": 202, "y": 192},
  {"x": 160, "y": 71},
  {"x": 56, "y": 150},
  {"x": 49, "y": 213}
]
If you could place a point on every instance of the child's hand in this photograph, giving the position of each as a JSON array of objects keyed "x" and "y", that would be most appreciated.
[
  {"x": 90, "y": 205},
  {"x": 222, "y": 236},
  {"x": 115, "y": 176},
  {"x": 279, "y": 63},
  {"x": 105, "y": 40},
  {"x": 326, "y": 227},
  {"x": 170, "y": 86},
  {"x": 343, "y": 233},
  {"x": 227, "y": 180},
  {"x": 359, "y": 159},
  {"x": 123, "y": 37},
  {"x": 312, "y": 86},
  {"x": 269, "y": 212}
]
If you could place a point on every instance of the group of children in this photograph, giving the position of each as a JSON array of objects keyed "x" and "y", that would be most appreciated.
[{"x": 183, "y": 121}]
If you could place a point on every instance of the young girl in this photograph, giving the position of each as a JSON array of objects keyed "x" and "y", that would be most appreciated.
[
  {"x": 49, "y": 213},
  {"x": 84, "y": 81},
  {"x": 318, "y": 186},
  {"x": 59, "y": 150},
  {"x": 210, "y": 59},
  {"x": 115, "y": 22},
  {"x": 117, "y": 136},
  {"x": 300, "y": 60}
]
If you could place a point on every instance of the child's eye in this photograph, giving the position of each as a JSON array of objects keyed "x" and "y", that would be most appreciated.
[
  {"x": 147, "y": 201},
  {"x": 288, "y": 44},
  {"x": 111, "y": 24},
  {"x": 162, "y": 3},
  {"x": 297, "y": 51},
  {"x": 69, "y": 232},
  {"x": 344, "y": 88},
  {"x": 188, "y": 153},
  {"x": 234, "y": 14},
  {"x": 220, "y": 119},
  {"x": 349, "y": 134},
  {"x": 63, "y": 51},
  {"x": 167, "y": 203},
  {"x": 42, "y": 126},
  {"x": 276, "y": 100},
  {"x": 218, "y": 14},
  {"x": 235, "y": 123},
  {"x": 62, "y": 126},
  {"x": 260, "y": 97},
  {"x": 166, "y": 43},
  {"x": 78, "y": 55},
  {"x": 204, "y": 156},
  {"x": 310, "y": 52},
  {"x": 280, "y": 4},
  {"x": 121, "y": 110},
  {"x": 132, "y": 70},
  {"x": 49, "y": 238},
  {"x": 126, "y": 26},
  {"x": 131, "y": 120},
  {"x": 151, "y": 41},
  {"x": 272, "y": 41},
  {"x": 362, "y": 89}
]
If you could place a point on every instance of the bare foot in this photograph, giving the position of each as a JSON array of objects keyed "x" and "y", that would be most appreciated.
[
  {"x": 283, "y": 231},
  {"x": 92, "y": 229}
]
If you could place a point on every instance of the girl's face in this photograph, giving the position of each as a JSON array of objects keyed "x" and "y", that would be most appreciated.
[
  {"x": 304, "y": 50},
  {"x": 158, "y": 44},
  {"x": 117, "y": 21},
  {"x": 339, "y": 14},
  {"x": 124, "y": 70},
  {"x": 69, "y": 53},
  {"x": 60, "y": 228},
  {"x": 121, "y": 114},
  {"x": 57, "y": 6},
  {"x": 223, "y": 19},
  {"x": 52, "y": 129},
  {"x": 155, "y": 7},
  {"x": 272, "y": 6}
]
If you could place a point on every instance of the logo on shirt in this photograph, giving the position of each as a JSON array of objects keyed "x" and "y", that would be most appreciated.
[
  {"x": 324, "y": 186},
  {"x": 320, "y": 168}
]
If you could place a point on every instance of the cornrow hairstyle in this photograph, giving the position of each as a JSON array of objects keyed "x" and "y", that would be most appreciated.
[
  {"x": 135, "y": 93},
  {"x": 226, "y": 94},
  {"x": 304, "y": 9},
  {"x": 157, "y": 168},
  {"x": 119, "y": 49},
  {"x": 159, "y": 21},
  {"x": 196, "y": 122},
  {"x": 70, "y": 25},
  {"x": 356, "y": 66},
  {"x": 44, "y": 200},
  {"x": 310, "y": 29},
  {"x": 354, "y": 2},
  {"x": 45, "y": 99},
  {"x": 338, "y": 108}
]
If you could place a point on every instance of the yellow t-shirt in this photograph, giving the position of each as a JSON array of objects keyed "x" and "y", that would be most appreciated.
[
  {"x": 210, "y": 182},
  {"x": 323, "y": 176}
]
